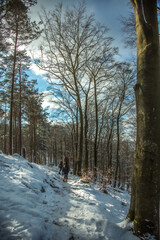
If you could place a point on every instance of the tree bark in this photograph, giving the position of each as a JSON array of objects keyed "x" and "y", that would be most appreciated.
[
  {"x": 80, "y": 155},
  {"x": 96, "y": 128},
  {"x": 20, "y": 112},
  {"x": 118, "y": 140},
  {"x": 12, "y": 95},
  {"x": 117, "y": 153},
  {"x": 144, "y": 208},
  {"x": 75, "y": 168},
  {"x": 5, "y": 130},
  {"x": 85, "y": 168}
]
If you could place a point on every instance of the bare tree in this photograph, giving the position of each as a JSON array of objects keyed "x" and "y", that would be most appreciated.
[
  {"x": 72, "y": 41},
  {"x": 125, "y": 79}
]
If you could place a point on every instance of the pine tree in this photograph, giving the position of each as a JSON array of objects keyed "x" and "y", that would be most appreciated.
[{"x": 21, "y": 32}]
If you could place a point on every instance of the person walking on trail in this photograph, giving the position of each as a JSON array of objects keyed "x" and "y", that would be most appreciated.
[
  {"x": 65, "y": 169},
  {"x": 60, "y": 167}
]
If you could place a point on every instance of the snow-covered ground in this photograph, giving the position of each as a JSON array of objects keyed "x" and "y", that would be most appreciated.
[{"x": 36, "y": 204}]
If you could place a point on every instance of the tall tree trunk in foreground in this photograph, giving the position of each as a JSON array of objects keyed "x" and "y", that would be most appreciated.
[{"x": 144, "y": 208}]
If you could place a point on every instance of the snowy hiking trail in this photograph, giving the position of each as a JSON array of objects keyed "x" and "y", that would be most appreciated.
[
  {"x": 85, "y": 212},
  {"x": 35, "y": 204}
]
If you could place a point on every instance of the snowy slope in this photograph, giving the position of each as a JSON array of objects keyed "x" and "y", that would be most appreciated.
[{"x": 36, "y": 204}]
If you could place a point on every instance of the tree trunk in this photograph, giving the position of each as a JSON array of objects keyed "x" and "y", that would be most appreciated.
[
  {"x": 31, "y": 142},
  {"x": 20, "y": 112},
  {"x": 75, "y": 167},
  {"x": 85, "y": 168},
  {"x": 15, "y": 145},
  {"x": 96, "y": 129},
  {"x": 118, "y": 139},
  {"x": 5, "y": 130},
  {"x": 80, "y": 142},
  {"x": 12, "y": 95},
  {"x": 117, "y": 152},
  {"x": 80, "y": 112},
  {"x": 144, "y": 208},
  {"x": 34, "y": 143}
]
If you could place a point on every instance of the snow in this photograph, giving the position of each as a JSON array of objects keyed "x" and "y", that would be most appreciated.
[{"x": 36, "y": 204}]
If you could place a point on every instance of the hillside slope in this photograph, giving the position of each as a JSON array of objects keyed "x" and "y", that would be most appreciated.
[{"x": 36, "y": 204}]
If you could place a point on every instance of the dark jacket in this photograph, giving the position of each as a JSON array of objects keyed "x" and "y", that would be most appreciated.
[{"x": 65, "y": 169}]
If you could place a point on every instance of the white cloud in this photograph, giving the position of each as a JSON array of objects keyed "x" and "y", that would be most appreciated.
[
  {"x": 36, "y": 70},
  {"x": 49, "y": 100}
]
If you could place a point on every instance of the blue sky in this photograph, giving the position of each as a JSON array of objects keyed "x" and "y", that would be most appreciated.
[
  {"x": 42, "y": 84},
  {"x": 108, "y": 12}
]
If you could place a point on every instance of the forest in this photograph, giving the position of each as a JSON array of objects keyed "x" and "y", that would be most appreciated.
[
  {"x": 95, "y": 117},
  {"x": 107, "y": 112}
]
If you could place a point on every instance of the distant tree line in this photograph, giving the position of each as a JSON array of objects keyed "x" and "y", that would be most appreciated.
[{"x": 96, "y": 116}]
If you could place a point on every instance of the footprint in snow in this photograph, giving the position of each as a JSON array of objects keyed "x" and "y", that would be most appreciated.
[
  {"x": 92, "y": 203},
  {"x": 99, "y": 226}
]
